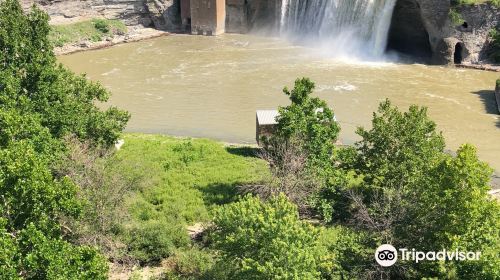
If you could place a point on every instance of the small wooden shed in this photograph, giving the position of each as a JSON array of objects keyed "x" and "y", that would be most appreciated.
[{"x": 265, "y": 123}]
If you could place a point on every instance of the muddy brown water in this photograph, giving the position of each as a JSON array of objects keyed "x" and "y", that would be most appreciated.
[{"x": 211, "y": 87}]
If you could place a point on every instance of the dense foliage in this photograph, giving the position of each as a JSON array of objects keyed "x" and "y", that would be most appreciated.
[
  {"x": 62, "y": 203},
  {"x": 266, "y": 240},
  {"x": 311, "y": 120},
  {"x": 178, "y": 182},
  {"x": 411, "y": 193},
  {"x": 40, "y": 103}
]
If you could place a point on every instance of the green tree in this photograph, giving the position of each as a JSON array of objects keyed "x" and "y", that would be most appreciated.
[
  {"x": 266, "y": 240},
  {"x": 309, "y": 120},
  {"x": 32, "y": 81},
  {"x": 302, "y": 151},
  {"x": 410, "y": 193},
  {"x": 40, "y": 103}
]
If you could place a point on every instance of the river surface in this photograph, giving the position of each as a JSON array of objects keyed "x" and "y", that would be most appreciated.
[{"x": 211, "y": 87}]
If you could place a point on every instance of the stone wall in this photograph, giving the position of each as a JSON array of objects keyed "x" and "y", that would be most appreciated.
[
  {"x": 208, "y": 17},
  {"x": 467, "y": 42},
  {"x": 241, "y": 15},
  {"x": 132, "y": 12},
  {"x": 420, "y": 27}
]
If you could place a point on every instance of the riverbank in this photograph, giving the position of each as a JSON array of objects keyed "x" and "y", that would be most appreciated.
[
  {"x": 132, "y": 34},
  {"x": 484, "y": 67},
  {"x": 178, "y": 181}
]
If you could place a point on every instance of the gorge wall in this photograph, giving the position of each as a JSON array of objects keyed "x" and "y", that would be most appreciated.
[
  {"x": 419, "y": 28},
  {"x": 424, "y": 28}
]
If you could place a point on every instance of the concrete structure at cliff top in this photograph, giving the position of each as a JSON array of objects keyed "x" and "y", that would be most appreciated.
[{"x": 207, "y": 17}]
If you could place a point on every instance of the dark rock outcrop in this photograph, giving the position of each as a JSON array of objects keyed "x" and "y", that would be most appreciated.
[
  {"x": 164, "y": 14},
  {"x": 497, "y": 95},
  {"x": 407, "y": 33},
  {"x": 450, "y": 43}
]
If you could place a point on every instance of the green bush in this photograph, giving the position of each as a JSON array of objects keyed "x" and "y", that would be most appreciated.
[
  {"x": 154, "y": 240},
  {"x": 101, "y": 25},
  {"x": 406, "y": 181},
  {"x": 192, "y": 263},
  {"x": 266, "y": 240},
  {"x": 455, "y": 17}
]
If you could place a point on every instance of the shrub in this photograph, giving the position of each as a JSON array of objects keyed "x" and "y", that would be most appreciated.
[
  {"x": 192, "y": 263},
  {"x": 154, "y": 240},
  {"x": 101, "y": 25},
  {"x": 266, "y": 240},
  {"x": 411, "y": 193},
  {"x": 455, "y": 17}
]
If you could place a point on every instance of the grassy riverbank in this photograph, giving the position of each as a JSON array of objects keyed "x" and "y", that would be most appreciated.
[
  {"x": 91, "y": 30},
  {"x": 178, "y": 181}
]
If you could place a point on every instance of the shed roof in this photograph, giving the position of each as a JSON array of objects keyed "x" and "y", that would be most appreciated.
[{"x": 267, "y": 117}]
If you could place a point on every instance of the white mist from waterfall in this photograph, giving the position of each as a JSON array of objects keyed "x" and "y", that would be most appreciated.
[{"x": 352, "y": 29}]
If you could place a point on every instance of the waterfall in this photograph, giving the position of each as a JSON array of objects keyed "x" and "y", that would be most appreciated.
[{"x": 344, "y": 27}]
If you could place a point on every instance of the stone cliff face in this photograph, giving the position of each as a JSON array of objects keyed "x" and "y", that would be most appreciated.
[
  {"x": 132, "y": 12},
  {"x": 419, "y": 28},
  {"x": 241, "y": 15},
  {"x": 424, "y": 28}
]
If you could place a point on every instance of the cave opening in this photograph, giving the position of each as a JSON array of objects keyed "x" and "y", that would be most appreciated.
[
  {"x": 457, "y": 55},
  {"x": 407, "y": 34}
]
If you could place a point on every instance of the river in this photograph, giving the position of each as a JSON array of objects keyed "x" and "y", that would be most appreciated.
[{"x": 211, "y": 87}]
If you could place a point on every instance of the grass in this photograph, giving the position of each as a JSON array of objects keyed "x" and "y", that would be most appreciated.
[
  {"x": 93, "y": 30},
  {"x": 180, "y": 181},
  {"x": 475, "y": 2},
  {"x": 456, "y": 17}
]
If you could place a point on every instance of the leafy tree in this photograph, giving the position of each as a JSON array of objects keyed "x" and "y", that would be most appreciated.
[
  {"x": 266, "y": 240},
  {"x": 409, "y": 193},
  {"x": 310, "y": 120},
  {"x": 40, "y": 103},
  {"x": 32, "y": 81},
  {"x": 302, "y": 150}
]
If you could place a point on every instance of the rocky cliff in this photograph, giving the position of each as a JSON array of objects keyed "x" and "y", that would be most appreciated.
[
  {"x": 425, "y": 28},
  {"x": 132, "y": 12},
  {"x": 421, "y": 28}
]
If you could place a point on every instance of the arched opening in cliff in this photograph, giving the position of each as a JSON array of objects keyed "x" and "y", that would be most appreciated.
[
  {"x": 458, "y": 53},
  {"x": 407, "y": 34}
]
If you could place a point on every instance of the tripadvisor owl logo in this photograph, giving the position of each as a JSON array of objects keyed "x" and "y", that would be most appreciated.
[{"x": 386, "y": 255}]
